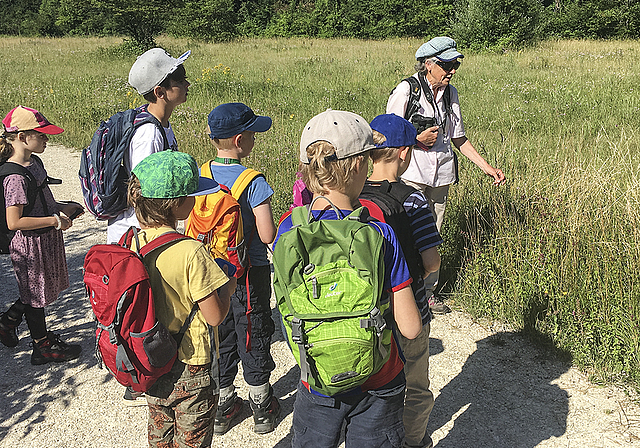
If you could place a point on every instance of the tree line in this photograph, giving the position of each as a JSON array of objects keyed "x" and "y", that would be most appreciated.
[{"x": 493, "y": 24}]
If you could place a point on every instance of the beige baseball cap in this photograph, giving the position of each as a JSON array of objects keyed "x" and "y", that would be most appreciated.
[{"x": 349, "y": 133}]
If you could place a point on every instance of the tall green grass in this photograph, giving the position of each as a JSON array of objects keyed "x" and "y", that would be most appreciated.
[{"x": 554, "y": 252}]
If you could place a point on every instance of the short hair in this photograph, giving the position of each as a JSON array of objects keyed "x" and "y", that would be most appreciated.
[
  {"x": 322, "y": 175},
  {"x": 421, "y": 65},
  {"x": 382, "y": 154},
  {"x": 152, "y": 212},
  {"x": 178, "y": 75}
]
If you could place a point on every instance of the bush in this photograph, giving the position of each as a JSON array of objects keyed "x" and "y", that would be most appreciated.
[{"x": 496, "y": 24}]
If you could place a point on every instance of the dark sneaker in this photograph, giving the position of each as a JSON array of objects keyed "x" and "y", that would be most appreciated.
[
  {"x": 52, "y": 349},
  {"x": 227, "y": 411},
  {"x": 133, "y": 398},
  {"x": 265, "y": 414},
  {"x": 8, "y": 331},
  {"x": 437, "y": 306}
]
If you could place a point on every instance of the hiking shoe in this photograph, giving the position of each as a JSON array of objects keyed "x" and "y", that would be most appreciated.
[
  {"x": 52, "y": 349},
  {"x": 133, "y": 398},
  {"x": 265, "y": 413},
  {"x": 227, "y": 410},
  {"x": 8, "y": 331},
  {"x": 437, "y": 306}
]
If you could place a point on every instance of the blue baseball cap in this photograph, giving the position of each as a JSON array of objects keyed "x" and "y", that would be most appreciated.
[
  {"x": 398, "y": 131},
  {"x": 231, "y": 119},
  {"x": 442, "y": 47}
]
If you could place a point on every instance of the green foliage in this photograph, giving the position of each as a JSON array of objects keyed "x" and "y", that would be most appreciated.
[
  {"x": 496, "y": 24},
  {"x": 204, "y": 19}
]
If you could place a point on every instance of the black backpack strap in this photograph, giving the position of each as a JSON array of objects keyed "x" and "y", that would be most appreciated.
[
  {"x": 178, "y": 337},
  {"x": 413, "y": 106}
]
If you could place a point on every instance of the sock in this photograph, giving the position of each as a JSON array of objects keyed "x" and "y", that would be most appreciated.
[
  {"x": 259, "y": 394},
  {"x": 13, "y": 316},
  {"x": 226, "y": 393}
]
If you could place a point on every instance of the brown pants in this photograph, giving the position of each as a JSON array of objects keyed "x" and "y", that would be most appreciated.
[{"x": 182, "y": 407}]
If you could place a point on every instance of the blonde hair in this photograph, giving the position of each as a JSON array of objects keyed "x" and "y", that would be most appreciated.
[
  {"x": 382, "y": 154},
  {"x": 322, "y": 175},
  {"x": 152, "y": 212}
]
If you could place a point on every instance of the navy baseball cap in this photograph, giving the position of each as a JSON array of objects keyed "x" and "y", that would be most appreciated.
[
  {"x": 231, "y": 119},
  {"x": 398, "y": 131}
]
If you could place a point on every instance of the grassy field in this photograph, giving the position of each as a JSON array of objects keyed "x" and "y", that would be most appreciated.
[{"x": 554, "y": 252}]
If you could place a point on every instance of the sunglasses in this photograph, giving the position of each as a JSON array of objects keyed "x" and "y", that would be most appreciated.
[{"x": 448, "y": 66}]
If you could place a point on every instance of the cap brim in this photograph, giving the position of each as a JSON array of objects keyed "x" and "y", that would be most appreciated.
[
  {"x": 206, "y": 186},
  {"x": 50, "y": 129},
  {"x": 261, "y": 124},
  {"x": 449, "y": 55}
]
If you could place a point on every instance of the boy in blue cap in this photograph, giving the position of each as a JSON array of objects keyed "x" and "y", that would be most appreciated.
[
  {"x": 245, "y": 334},
  {"x": 409, "y": 215}
]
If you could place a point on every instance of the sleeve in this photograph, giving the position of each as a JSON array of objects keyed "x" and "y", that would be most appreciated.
[
  {"x": 204, "y": 274},
  {"x": 396, "y": 272},
  {"x": 423, "y": 226},
  {"x": 15, "y": 190},
  {"x": 145, "y": 141},
  {"x": 258, "y": 191},
  {"x": 397, "y": 102},
  {"x": 284, "y": 225},
  {"x": 456, "y": 118}
]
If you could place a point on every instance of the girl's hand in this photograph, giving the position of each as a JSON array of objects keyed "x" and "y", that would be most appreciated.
[{"x": 65, "y": 222}]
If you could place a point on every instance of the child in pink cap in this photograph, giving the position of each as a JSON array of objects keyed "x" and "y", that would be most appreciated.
[{"x": 36, "y": 221}]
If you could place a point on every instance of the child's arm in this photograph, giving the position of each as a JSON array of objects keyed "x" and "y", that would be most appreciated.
[
  {"x": 264, "y": 221},
  {"x": 430, "y": 260},
  {"x": 214, "y": 307},
  {"x": 406, "y": 314},
  {"x": 15, "y": 220}
]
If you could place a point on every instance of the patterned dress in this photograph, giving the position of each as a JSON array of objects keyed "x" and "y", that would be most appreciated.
[{"x": 38, "y": 259}]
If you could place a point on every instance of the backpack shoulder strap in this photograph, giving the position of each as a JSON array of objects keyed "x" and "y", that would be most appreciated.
[
  {"x": 143, "y": 116},
  {"x": 9, "y": 168},
  {"x": 243, "y": 181},
  {"x": 205, "y": 169},
  {"x": 413, "y": 105},
  {"x": 161, "y": 241}
]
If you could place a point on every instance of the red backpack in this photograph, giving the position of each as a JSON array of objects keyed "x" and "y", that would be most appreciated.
[{"x": 135, "y": 347}]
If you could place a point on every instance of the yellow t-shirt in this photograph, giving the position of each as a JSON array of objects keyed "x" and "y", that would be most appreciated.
[{"x": 181, "y": 274}]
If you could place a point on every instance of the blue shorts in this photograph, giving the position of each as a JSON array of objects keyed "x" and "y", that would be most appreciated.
[{"x": 373, "y": 418}]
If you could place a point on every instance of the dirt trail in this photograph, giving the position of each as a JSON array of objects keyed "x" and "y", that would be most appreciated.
[{"x": 493, "y": 389}]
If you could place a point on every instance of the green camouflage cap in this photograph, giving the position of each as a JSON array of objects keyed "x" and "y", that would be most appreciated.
[{"x": 172, "y": 174}]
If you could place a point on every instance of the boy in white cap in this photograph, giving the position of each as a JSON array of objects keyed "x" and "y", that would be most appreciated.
[
  {"x": 431, "y": 104},
  {"x": 161, "y": 80}
]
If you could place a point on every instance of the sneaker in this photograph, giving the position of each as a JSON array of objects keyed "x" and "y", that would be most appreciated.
[
  {"x": 52, "y": 349},
  {"x": 265, "y": 413},
  {"x": 8, "y": 331},
  {"x": 227, "y": 411},
  {"x": 437, "y": 306},
  {"x": 133, "y": 398}
]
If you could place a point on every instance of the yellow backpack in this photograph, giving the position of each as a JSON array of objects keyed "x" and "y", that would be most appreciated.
[{"x": 216, "y": 220}]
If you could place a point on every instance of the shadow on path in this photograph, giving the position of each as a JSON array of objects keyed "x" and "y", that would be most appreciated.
[{"x": 503, "y": 397}]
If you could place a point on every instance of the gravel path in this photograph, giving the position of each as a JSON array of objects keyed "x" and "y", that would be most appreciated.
[{"x": 493, "y": 388}]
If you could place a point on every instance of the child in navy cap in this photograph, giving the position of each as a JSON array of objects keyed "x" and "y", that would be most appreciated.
[{"x": 245, "y": 334}]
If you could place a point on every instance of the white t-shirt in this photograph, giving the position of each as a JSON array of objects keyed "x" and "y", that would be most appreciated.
[
  {"x": 436, "y": 166},
  {"x": 146, "y": 140}
]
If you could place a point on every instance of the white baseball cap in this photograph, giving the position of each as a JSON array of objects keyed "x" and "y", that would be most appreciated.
[{"x": 153, "y": 67}]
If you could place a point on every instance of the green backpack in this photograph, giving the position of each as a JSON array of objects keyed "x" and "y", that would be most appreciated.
[{"x": 328, "y": 280}]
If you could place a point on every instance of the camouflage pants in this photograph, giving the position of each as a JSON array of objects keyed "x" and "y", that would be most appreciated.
[{"x": 182, "y": 407}]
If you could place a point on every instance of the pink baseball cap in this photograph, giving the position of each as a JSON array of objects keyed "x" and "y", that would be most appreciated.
[{"x": 26, "y": 119}]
